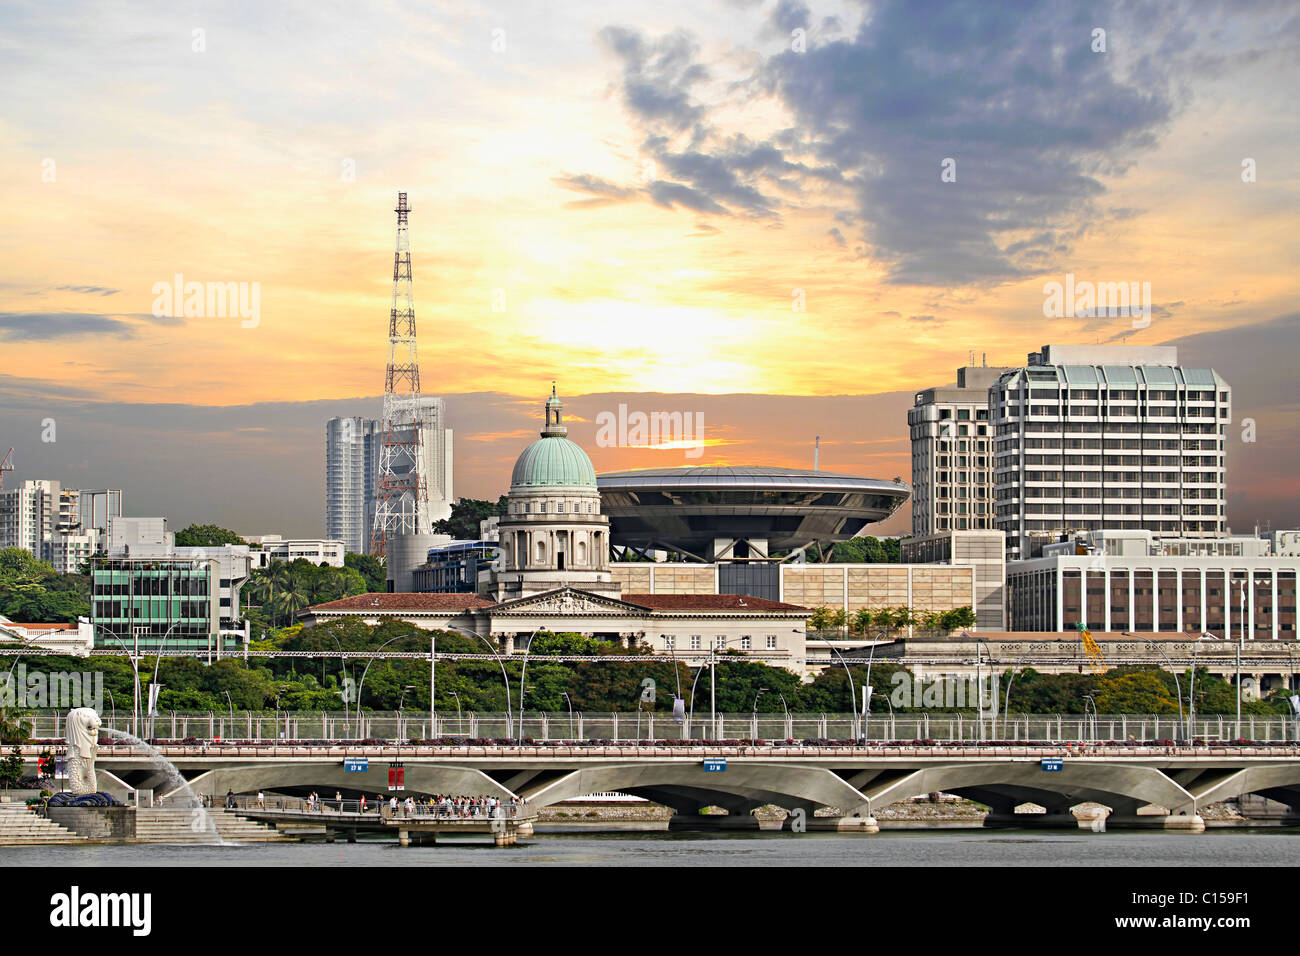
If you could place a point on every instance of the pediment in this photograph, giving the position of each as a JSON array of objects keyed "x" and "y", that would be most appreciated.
[{"x": 567, "y": 601}]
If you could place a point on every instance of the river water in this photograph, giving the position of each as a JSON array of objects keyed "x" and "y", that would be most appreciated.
[{"x": 1216, "y": 847}]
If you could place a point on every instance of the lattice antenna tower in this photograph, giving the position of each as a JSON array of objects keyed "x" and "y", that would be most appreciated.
[{"x": 401, "y": 496}]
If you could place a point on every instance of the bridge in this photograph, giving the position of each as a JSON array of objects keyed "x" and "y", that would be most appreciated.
[
  {"x": 417, "y": 826},
  {"x": 1169, "y": 783}
]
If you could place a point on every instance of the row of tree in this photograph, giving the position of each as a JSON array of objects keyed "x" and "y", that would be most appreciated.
[
  {"x": 890, "y": 620},
  {"x": 317, "y": 684}
]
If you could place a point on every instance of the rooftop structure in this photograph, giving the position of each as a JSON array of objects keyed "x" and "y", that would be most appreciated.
[{"x": 728, "y": 513}]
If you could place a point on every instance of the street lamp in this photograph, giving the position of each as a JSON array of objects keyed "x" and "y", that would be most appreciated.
[
  {"x": 753, "y": 717},
  {"x": 373, "y": 653},
  {"x": 853, "y": 693},
  {"x": 1091, "y": 722},
  {"x": 504, "y": 679},
  {"x": 1177, "y": 683},
  {"x": 459, "y": 727},
  {"x": 401, "y": 702},
  {"x": 135, "y": 668},
  {"x": 567, "y": 700},
  {"x": 522, "y": 671},
  {"x": 153, "y": 710}
]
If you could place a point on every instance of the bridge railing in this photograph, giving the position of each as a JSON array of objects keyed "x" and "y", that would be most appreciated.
[
  {"x": 586, "y": 727},
  {"x": 380, "y": 808}
]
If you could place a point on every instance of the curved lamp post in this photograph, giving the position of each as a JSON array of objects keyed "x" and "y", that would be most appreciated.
[
  {"x": 361, "y": 686},
  {"x": 505, "y": 679},
  {"x": 135, "y": 667},
  {"x": 153, "y": 711},
  {"x": 523, "y": 671},
  {"x": 853, "y": 693},
  {"x": 1177, "y": 683}
]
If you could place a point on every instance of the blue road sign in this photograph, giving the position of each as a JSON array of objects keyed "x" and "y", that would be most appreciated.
[
  {"x": 356, "y": 764},
  {"x": 1051, "y": 764},
  {"x": 715, "y": 764}
]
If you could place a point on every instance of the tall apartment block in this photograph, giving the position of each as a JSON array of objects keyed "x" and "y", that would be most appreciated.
[
  {"x": 952, "y": 455},
  {"x": 351, "y": 470},
  {"x": 29, "y": 514},
  {"x": 63, "y": 526},
  {"x": 1092, "y": 438}
]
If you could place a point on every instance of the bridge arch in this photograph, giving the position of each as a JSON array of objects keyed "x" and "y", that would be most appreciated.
[
  {"x": 686, "y": 786},
  {"x": 1121, "y": 787},
  {"x": 429, "y": 779}
]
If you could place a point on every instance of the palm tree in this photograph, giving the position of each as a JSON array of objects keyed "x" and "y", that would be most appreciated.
[{"x": 15, "y": 727}]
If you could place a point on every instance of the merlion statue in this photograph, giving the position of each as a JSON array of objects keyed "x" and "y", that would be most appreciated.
[{"x": 83, "y": 746}]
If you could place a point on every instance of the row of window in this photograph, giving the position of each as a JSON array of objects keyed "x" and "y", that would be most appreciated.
[
  {"x": 746, "y": 643},
  {"x": 574, "y": 507}
]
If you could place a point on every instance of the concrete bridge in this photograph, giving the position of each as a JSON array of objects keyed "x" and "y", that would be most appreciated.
[{"x": 854, "y": 780}]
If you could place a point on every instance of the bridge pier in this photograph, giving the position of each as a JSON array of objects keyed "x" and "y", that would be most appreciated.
[
  {"x": 851, "y": 824},
  {"x": 1182, "y": 822}
]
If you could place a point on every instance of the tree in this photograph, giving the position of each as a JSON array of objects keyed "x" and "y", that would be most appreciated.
[
  {"x": 465, "y": 516},
  {"x": 11, "y": 768},
  {"x": 821, "y": 618},
  {"x": 15, "y": 727},
  {"x": 371, "y": 569},
  {"x": 206, "y": 536}
]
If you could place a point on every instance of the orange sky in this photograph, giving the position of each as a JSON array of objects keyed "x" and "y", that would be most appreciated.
[{"x": 589, "y": 173}]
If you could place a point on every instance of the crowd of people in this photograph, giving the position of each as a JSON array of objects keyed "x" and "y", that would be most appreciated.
[{"x": 443, "y": 805}]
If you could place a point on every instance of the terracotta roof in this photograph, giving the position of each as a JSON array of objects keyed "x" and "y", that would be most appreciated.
[
  {"x": 404, "y": 602},
  {"x": 708, "y": 602}
]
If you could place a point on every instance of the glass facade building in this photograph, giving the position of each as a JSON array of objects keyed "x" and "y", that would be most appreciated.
[{"x": 147, "y": 604}]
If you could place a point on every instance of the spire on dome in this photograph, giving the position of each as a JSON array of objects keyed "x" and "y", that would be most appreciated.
[{"x": 553, "y": 427}]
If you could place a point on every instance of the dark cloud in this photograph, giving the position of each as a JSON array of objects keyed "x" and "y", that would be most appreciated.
[
  {"x": 42, "y": 326},
  {"x": 658, "y": 76},
  {"x": 596, "y": 185},
  {"x": 1011, "y": 93},
  {"x": 670, "y": 195},
  {"x": 88, "y": 289},
  {"x": 789, "y": 15}
]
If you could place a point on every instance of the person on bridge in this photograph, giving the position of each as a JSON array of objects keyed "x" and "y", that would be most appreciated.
[
  {"x": 338, "y": 800},
  {"x": 363, "y": 803},
  {"x": 230, "y": 799}
]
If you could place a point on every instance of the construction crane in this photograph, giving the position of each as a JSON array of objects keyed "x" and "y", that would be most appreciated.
[
  {"x": 1096, "y": 663},
  {"x": 6, "y": 464}
]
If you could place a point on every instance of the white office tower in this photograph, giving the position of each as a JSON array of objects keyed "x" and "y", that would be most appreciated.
[
  {"x": 952, "y": 454},
  {"x": 1108, "y": 437},
  {"x": 351, "y": 471}
]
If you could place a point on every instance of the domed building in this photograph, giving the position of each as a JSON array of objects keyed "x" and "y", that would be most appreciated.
[
  {"x": 554, "y": 575},
  {"x": 553, "y": 533}
]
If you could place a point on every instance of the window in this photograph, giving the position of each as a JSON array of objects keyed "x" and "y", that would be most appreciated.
[
  {"x": 721, "y": 643},
  {"x": 670, "y": 642},
  {"x": 771, "y": 642},
  {"x": 695, "y": 642},
  {"x": 745, "y": 642}
]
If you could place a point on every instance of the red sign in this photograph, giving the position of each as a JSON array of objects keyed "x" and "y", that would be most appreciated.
[{"x": 396, "y": 778}]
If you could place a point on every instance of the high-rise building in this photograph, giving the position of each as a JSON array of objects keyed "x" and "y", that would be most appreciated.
[
  {"x": 29, "y": 515},
  {"x": 1107, "y": 437},
  {"x": 952, "y": 454},
  {"x": 351, "y": 470}
]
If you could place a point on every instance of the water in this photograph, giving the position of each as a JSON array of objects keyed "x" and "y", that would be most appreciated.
[
  {"x": 1225, "y": 848},
  {"x": 181, "y": 793}
]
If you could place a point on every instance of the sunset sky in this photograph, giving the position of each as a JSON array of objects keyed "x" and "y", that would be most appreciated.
[{"x": 646, "y": 191}]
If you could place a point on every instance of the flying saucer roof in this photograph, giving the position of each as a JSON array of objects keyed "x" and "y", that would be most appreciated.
[{"x": 687, "y": 508}]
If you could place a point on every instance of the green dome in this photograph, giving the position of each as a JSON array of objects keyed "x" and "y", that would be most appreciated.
[{"x": 553, "y": 462}]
